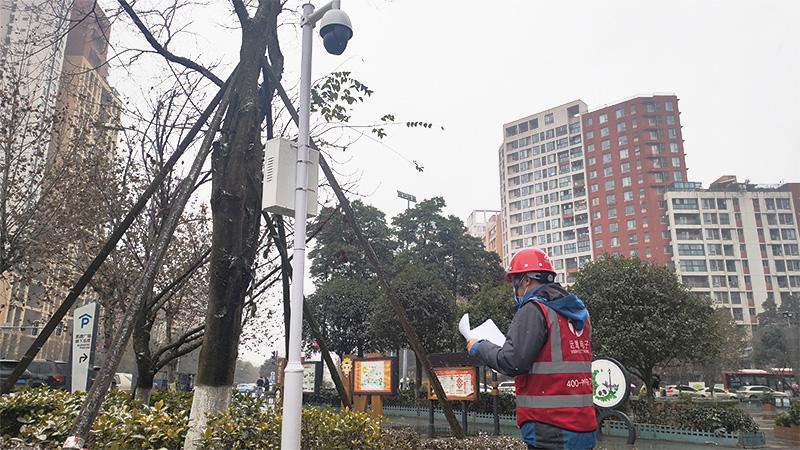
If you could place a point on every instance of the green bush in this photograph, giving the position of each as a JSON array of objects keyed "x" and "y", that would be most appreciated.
[
  {"x": 42, "y": 418},
  {"x": 322, "y": 428},
  {"x": 791, "y": 417},
  {"x": 692, "y": 416}
]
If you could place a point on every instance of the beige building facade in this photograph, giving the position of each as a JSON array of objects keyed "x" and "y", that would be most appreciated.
[{"x": 736, "y": 243}]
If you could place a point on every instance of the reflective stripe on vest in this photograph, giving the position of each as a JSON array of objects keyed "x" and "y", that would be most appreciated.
[
  {"x": 561, "y": 367},
  {"x": 555, "y": 331},
  {"x": 554, "y": 401}
]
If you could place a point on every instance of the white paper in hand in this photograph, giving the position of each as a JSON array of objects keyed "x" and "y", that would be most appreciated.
[{"x": 486, "y": 331}]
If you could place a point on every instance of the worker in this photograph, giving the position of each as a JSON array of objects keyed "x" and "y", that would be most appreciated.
[{"x": 548, "y": 351}]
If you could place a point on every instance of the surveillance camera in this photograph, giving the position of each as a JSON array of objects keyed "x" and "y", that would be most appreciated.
[{"x": 335, "y": 30}]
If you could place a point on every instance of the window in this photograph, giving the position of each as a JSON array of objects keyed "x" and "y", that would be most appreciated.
[
  {"x": 561, "y": 131},
  {"x": 770, "y": 203},
  {"x": 709, "y": 203},
  {"x": 604, "y": 131},
  {"x": 668, "y": 106},
  {"x": 628, "y": 210},
  {"x": 605, "y": 145},
  {"x": 788, "y": 234},
  {"x": 672, "y": 133},
  {"x": 684, "y": 203},
  {"x": 598, "y": 243},
  {"x": 613, "y": 227},
  {"x": 631, "y": 224},
  {"x": 627, "y": 195},
  {"x": 615, "y": 241},
  {"x": 606, "y": 158},
  {"x": 620, "y": 127},
  {"x": 548, "y": 118},
  {"x": 633, "y": 238},
  {"x": 691, "y": 250},
  {"x": 612, "y": 212},
  {"x": 603, "y": 118},
  {"x": 650, "y": 107},
  {"x": 592, "y": 161},
  {"x": 719, "y": 280},
  {"x": 622, "y": 140},
  {"x": 609, "y": 185},
  {"x": 712, "y": 233},
  {"x": 670, "y": 120},
  {"x": 592, "y": 174},
  {"x": 625, "y": 167},
  {"x": 783, "y": 203},
  {"x": 676, "y": 162},
  {"x": 590, "y": 134},
  {"x": 737, "y": 314},
  {"x": 588, "y": 121},
  {"x": 611, "y": 199},
  {"x": 623, "y": 153},
  {"x": 673, "y": 147},
  {"x": 626, "y": 181},
  {"x": 619, "y": 113},
  {"x": 692, "y": 265},
  {"x": 722, "y": 203},
  {"x": 593, "y": 188},
  {"x": 589, "y": 148}
]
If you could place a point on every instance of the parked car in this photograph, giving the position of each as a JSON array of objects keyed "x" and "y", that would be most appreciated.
[
  {"x": 676, "y": 390},
  {"x": 7, "y": 366},
  {"x": 718, "y": 393},
  {"x": 246, "y": 388},
  {"x": 50, "y": 373},
  {"x": 756, "y": 392},
  {"x": 506, "y": 387}
]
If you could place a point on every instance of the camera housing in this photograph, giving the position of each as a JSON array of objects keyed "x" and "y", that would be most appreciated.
[{"x": 335, "y": 30}]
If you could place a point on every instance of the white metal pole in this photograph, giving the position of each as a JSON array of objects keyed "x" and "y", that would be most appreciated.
[{"x": 293, "y": 374}]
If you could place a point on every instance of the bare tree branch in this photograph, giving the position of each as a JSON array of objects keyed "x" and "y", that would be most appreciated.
[{"x": 163, "y": 51}]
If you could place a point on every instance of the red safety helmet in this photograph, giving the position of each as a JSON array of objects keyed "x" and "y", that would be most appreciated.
[{"x": 530, "y": 259}]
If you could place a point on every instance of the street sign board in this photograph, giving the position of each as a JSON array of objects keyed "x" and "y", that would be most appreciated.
[
  {"x": 408, "y": 197},
  {"x": 312, "y": 376},
  {"x": 375, "y": 375},
  {"x": 84, "y": 334},
  {"x": 610, "y": 383},
  {"x": 458, "y": 383}
]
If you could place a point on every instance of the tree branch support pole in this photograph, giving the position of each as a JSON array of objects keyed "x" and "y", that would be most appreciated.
[
  {"x": 280, "y": 242},
  {"x": 108, "y": 247},
  {"x": 293, "y": 373},
  {"x": 411, "y": 334}
]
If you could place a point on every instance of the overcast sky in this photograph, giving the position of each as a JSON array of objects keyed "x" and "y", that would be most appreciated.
[{"x": 471, "y": 66}]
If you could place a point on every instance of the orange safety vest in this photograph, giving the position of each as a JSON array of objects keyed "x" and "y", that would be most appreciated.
[{"x": 558, "y": 389}]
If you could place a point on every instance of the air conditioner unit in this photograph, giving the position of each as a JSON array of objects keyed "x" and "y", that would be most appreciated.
[{"x": 280, "y": 162}]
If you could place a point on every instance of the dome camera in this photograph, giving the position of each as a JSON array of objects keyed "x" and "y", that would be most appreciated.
[{"x": 335, "y": 30}]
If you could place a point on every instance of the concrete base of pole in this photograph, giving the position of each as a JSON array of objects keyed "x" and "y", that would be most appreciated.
[{"x": 207, "y": 399}]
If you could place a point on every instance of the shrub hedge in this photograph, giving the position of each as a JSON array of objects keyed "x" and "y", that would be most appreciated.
[
  {"x": 791, "y": 417},
  {"x": 687, "y": 415},
  {"x": 42, "y": 418}
]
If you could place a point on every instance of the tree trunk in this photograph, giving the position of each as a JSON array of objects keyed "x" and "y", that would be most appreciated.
[
  {"x": 236, "y": 213},
  {"x": 144, "y": 386},
  {"x": 144, "y": 357}
]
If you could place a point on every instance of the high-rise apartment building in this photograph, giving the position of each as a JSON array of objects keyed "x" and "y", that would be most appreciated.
[
  {"x": 32, "y": 41},
  {"x": 478, "y": 220},
  {"x": 493, "y": 235},
  {"x": 736, "y": 243},
  {"x": 634, "y": 150},
  {"x": 543, "y": 187},
  {"x": 89, "y": 106}
]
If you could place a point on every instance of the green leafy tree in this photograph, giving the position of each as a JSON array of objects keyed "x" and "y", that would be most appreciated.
[
  {"x": 777, "y": 343},
  {"x": 491, "y": 302},
  {"x": 429, "y": 304},
  {"x": 431, "y": 239},
  {"x": 344, "y": 308},
  {"x": 336, "y": 252},
  {"x": 642, "y": 315}
]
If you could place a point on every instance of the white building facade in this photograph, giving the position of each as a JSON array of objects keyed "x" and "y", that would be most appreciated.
[{"x": 543, "y": 188}]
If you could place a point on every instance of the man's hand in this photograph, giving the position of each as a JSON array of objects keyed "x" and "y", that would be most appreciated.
[{"x": 470, "y": 343}]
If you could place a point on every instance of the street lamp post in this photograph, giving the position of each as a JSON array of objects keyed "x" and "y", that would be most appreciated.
[{"x": 336, "y": 31}]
